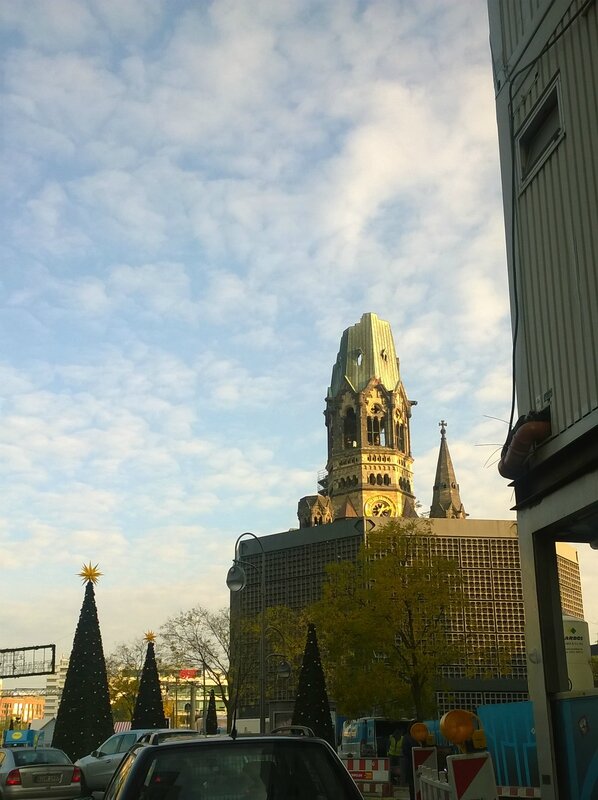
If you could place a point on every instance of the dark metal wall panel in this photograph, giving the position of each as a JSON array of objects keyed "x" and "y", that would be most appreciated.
[
  {"x": 556, "y": 214},
  {"x": 518, "y": 19},
  {"x": 558, "y": 229}
]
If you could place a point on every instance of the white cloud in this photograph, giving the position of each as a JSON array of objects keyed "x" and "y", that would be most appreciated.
[{"x": 202, "y": 197}]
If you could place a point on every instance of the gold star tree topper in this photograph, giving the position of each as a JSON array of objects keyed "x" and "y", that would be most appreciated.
[
  {"x": 90, "y": 574},
  {"x": 150, "y": 636}
]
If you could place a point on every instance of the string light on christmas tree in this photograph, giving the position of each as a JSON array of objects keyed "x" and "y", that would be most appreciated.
[{"x": 90, "y": 574}]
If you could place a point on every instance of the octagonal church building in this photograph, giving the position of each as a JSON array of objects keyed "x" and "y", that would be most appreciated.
[{"x": 368, "y": 479}]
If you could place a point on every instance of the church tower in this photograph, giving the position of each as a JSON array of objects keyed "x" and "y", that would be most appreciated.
[
  {"x": 446, "y": 500},
  {"x": 369, "y": 468}
]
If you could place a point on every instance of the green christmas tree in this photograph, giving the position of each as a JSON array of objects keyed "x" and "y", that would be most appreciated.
[
  {"x": 84, "y": 719},
  {"x": 149, "y": 710},
  {"x": 211, "y": 718},
  {"x": 311, "y": 703}
]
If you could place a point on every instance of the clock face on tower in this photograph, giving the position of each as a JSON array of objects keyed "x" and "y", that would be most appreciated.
[{"x": 379, "y": 507}]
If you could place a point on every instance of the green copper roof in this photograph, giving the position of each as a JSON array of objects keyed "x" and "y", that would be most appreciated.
[
  {"x": 446, "y": 500},
  {"x": 367, "y": 351}
]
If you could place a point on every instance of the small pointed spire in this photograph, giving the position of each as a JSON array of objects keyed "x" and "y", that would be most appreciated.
[{"x": 446, "y": 500}]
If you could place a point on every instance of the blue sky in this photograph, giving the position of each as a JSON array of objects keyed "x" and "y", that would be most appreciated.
[{"x": 197, "y": 199}]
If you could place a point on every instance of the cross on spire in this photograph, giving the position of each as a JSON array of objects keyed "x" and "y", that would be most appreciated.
[{"x": 442, "y": 425}]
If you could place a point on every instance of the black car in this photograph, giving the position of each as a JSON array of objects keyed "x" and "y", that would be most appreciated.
[{"x": 274, "y": 767}]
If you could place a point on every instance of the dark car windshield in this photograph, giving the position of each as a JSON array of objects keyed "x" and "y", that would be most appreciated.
[
  {"x": 25, "y": 758},
  {"x": 245, "y": 771}
]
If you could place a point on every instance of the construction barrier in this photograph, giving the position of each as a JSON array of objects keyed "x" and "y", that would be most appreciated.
[
  {"x": 469, "y": 777},
  {"x": 472, "y": 776},
  {"x": 423, "y": 758},
  {"x": 372, "y": 775},
  {"x": 519, "y": 791},
  {"x": 433, "y": 785}
]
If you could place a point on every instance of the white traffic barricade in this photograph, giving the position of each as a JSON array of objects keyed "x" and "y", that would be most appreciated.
[
  {"x": 423, "y": 757},
  {"x": 433, "y": 785}
]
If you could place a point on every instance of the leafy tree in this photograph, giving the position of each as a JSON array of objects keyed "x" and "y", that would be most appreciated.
[
  {"x": 385, "y": 622},
  {"x": 211, "y": 718},
  {"x": 84, "y": 719},
  {"x": 149, "y": 710},
  {"x": 311, "y": 704},
  {"x": 201, "y": 639}
]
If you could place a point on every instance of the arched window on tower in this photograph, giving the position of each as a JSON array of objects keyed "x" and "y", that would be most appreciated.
[
  {"x": 350, "y": 429},
  {"x": 401, "y": 437},
  {"x": 376, "y": 424}
]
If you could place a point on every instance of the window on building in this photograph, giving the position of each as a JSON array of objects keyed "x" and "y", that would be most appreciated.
[
  {"x": 376, "y": 431},
  {"x": 540, "y": 134},
  {"x": 401, "y": 437},
  {"x": 350, "y": 429}
]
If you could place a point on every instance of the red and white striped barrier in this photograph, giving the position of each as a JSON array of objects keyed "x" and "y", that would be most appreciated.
[
  {"x": 472, "y": 776},
  {"x": 372, "y": 775},
  {"x": 469, "y": 777},
  {"x": 519, "y": 791}
]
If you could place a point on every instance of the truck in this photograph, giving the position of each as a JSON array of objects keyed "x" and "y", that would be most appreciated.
[{"x": 367, "y": 737}]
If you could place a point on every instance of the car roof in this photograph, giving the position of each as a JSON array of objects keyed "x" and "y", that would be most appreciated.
[
  {"x": 28, "y": 747},
  {"x": 227, "y": 740}
]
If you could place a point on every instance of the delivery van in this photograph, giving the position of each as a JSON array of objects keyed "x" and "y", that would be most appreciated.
[{"x": 367, "y": 737}]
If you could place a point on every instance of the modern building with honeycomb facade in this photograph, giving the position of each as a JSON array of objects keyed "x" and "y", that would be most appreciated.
[{"x": 369, "y": 479}]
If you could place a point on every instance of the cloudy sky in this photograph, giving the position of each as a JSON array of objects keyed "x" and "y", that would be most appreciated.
[{"x": 198, "y": 197}]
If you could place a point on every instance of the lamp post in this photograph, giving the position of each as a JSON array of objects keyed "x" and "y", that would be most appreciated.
[
  {"x": 204, "y": 714},
  {"x": 236, "y": 580}
]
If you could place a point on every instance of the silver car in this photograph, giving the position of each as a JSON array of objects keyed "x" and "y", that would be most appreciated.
[
  {"x": 38, "y": 773},
  {"x": 98, "y": 767}
]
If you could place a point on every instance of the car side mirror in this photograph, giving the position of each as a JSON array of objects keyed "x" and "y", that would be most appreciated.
[{"x": 97, "y": 754}]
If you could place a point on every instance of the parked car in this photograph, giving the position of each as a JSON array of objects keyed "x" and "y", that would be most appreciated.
[
  {"x": 38, "y": 773},
  {"x": 272, "y": 767},
  {"x": 98, "y": 767},
  {"x": 164, "y": 734}
]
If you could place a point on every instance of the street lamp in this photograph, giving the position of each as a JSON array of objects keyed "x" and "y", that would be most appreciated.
[
  {"x": 283, "y": 668},
  {"x": 236, "y": 580}
]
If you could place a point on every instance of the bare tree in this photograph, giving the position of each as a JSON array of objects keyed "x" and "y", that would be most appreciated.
[
  {"x": 123, "y": 666},
  {"x": 201, "y": 639}
]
